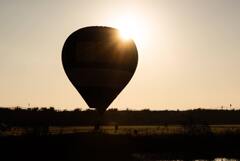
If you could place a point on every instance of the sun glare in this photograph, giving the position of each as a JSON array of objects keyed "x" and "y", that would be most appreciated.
[
  {"x": 125, "y": 34},
  {"x": 130, "y": 28}
]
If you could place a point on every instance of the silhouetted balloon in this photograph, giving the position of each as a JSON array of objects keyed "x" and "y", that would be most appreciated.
[{"x": 99, "y": 64}]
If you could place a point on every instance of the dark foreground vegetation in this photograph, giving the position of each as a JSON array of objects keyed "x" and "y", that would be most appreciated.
[
  {"x": 99, "y": 146},
  {"x": 197, "y": 141}
]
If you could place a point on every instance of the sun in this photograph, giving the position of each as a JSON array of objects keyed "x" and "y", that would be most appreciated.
[
  {"x": 129, "y": 28},
  {"x": 125, "y": 34}
]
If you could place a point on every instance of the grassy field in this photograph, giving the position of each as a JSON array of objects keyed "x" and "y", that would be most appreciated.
[
  {"x": 132, "y": 130},
  {"x": 97, "y": 146},
  {"x": 128, "y": 143}
]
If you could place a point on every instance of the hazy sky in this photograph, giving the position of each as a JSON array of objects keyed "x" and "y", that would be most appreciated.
[{"x": 189, "y": 51}]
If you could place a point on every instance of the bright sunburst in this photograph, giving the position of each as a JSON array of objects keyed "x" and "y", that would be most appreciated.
[
  {"x": 130, "y": 28},
  {"x": 125, "y": 34}
]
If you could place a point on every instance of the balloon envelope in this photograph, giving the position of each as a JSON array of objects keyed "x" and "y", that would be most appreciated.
[{"x": 99, "y": 64}]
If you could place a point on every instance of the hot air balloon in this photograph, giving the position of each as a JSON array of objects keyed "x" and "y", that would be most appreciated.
[{"x": 99, "y": 64}]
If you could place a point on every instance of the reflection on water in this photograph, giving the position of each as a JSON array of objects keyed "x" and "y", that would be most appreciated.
[
  {"x": 154, "y": 157},
  {"x": 216, "y": 159},
  {"x": 225, "y": 159}
]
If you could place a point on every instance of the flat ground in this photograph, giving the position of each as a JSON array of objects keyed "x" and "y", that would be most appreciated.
[
  {"x": 122, "y": 130},
  {"x": 97, "y": 146}
]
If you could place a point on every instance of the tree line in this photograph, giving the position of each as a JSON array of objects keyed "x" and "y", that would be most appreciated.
[{"x": 51, "y": 117}]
